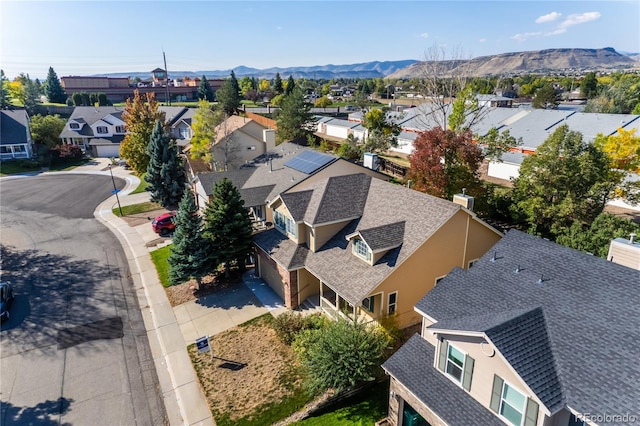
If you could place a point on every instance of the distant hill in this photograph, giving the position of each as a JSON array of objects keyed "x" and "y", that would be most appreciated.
[
  {"x": 373, "y": 69},
  {"x": 538, "y": 61}
]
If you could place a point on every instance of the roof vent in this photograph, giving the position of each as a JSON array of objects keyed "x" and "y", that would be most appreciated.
[
  {"x": 494, "y": 257},
  {"x": 518, "y": 269},
  {"x": 632, "y": 238},
  {"x": 541, "y": 280}
]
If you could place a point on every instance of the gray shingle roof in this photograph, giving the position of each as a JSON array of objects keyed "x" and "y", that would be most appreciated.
[
  {"x": 591, "y": 319},
  {"x": 384, "y": 236},
  {"x": 296, "y": 203},
  {"x": 412, "y": 365},
  {"x": 335, "y": 265},
  {"x": 337, "y": 198},
  {"x": 13, "y": 127}
]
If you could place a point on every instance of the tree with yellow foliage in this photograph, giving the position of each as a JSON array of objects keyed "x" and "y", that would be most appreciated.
[
  {"x": 139, "y": 117},
  {"x": 623, "y": 150},
  {"x": 204, "y": 125}
]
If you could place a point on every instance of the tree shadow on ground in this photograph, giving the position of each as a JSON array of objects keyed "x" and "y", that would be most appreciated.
[
  {"x": 46, "y": 413},
  {"x": 55, "y": 295}
]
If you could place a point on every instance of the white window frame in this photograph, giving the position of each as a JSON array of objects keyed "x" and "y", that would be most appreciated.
[
  {"x": 361, "y": 249},
  {"x": 74, "y": 126},
  {"x": 394, "y": 304},
  {"x": 438, "y": 279},
  {"x": 105, "y": 128},
  {"x": 447, "y": 361},
  {"x": 285, "y": 223},
  {"x": 120, "y": 129},
  {"x": 523, "y": 409}
]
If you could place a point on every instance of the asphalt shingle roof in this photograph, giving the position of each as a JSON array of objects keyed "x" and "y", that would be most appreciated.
[
  {"x": 337, "y": 198},
  {"x": 412, "y": 365},
  {"x": 583, "y": 323},
  {"x": 334, "y": 263},
  {"x": 384, "y": 236},
  {"x": 13, "y": 127}
]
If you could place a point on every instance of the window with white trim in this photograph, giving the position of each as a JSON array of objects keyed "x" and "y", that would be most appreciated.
[
  {"x": 455, "y": 363},
  {"x": 185, "y": 132},
  {"x": 512, "y": 405},
  {"x": 102, "y": 129},
  {"x": 370, "y": 303},
  {"x": 74, "y": 126},
  {"x": 120, "y": 129},
  {"x": 361, "y": 249},
  {"x": 391, "y": 302},
  {"x": 285, "y": 223}
]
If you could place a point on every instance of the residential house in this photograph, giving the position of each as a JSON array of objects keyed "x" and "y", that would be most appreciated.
[
  {"x": 533, "y": 334},
  {"x": 100, "y": 130},
  {"x": 262, "y": 179},
  {"x": 240, "y": 140},
  {"x": 15, "y": 135},
  {"x": 360, "y": 246}
]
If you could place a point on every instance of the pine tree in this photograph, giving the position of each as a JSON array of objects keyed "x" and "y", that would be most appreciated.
[
  {"x": 164, "y": 172},
  {"x": 53, "y": 89},
  {"x": 277, "y": 84},
  {"x": 290, "y": 85},
  {"x": 188, "y": 258},
  {"x": 295, "y": 119},
  {"x": 227, "y": 227},
  {"x": 229, "y": 95},
  {"x": 204, "y": 90}
]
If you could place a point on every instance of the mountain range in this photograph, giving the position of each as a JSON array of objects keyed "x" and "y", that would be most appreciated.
[{"x": 538, "y": 61}]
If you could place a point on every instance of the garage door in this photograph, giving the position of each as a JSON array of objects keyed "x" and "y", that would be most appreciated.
[
  {"x": 271, "y": 277},
  {"x": 108, "y": 151}
]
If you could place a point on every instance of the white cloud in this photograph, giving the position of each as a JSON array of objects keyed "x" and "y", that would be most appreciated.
[
  {"x": 549, "y": 17},
  {"x": 525, "y": 36},
  {"x": 482, "y": 40},
  {"x": 579, "y": 18},
  {"x": 424, "y": 35}
]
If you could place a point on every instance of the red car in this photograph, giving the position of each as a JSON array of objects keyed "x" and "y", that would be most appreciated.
[{"x": 163, "y": 224}]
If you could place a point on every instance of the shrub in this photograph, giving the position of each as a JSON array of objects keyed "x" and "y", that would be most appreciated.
[
  {"x": 289, "y": 324},
  {"x": 66, "y": 152}
]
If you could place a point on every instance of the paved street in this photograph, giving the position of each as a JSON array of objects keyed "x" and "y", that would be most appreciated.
[{"x": 75, "y": 350}]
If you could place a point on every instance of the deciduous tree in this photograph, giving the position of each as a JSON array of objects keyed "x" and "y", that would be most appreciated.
[
  {"x": 496, "y": 143},
  {"x": 382, "y": 133},
  {"x": 589, "y": 85},
  {"x": 443, "y": 162},
  {"x": 227, "y": 227},
  {"x": 623, "y": 150},
  {"x": 189, "y": 256},
  {"x": 53, "y": 89},
  {"x": 165, "y": 172},
  {"x": 4, "y": 91},
  {"x": 46, "y": 129},
  {"x": 139, "y": 116},
  {"x": 546, "y": 97},
  {"x": 565, "y": 181},
  {"x": 294, "y": 119},
  {"x": 204, "y": 124}
]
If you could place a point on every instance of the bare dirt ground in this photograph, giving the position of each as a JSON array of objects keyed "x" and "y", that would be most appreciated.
[
  {"x": 140, "y": 218},
  {"x": 187, "y": 291},
  {"x": 251, "y": 367}
]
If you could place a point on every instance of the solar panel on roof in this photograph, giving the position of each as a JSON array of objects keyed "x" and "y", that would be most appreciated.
[{"x": 309, "y": 161}]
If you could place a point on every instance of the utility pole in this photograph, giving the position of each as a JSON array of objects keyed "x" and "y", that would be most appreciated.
[{"x": 166, "y": 76}]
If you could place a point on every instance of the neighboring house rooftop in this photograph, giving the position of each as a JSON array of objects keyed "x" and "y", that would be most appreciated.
[
  {"x": 412, "y": 365},
  {"x": 566, "y": 321},
  {"x": 13, "y": 127},
  {"x": 263, "y": 178},
  {"x": 536, "y": 126},
  {"x": 372, "y": 206},
  {"x": 590, "y": 124}
]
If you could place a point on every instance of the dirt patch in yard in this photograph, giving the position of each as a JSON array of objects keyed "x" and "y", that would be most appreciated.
[
  {"x": 140, "y": 218},
  {"x": 187, "y": 291},
  {"x": 251, "y": 368}
]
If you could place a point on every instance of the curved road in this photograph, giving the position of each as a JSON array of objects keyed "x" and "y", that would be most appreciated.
[{"x": 75, "y": 350}]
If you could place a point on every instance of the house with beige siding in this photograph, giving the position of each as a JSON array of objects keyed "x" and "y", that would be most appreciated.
[
  {"x": 240, "y": 140},
  {"x": 360, "y": 246},
  {"x": 534, "y": 334}
]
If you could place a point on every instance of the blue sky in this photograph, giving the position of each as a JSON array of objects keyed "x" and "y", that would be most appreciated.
[{"x": 91, "y": 37}]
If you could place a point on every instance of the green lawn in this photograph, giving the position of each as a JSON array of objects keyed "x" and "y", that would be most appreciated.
[
  {"x": 17, "y": 166},
  {"x": 68, "y": 165},
  {"x": 142, "y": 187},
  {"x": 361, "y": 410},
  {"x": 160, "y": 259},
  {"x": 137, "y": 208}
]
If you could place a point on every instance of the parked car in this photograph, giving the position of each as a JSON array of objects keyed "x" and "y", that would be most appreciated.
[
  {"x": 163, "y": 224},
  {"x": 6, "y": 297}
]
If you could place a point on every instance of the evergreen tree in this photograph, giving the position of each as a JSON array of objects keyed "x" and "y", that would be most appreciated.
[
  {"x": 189, "y": 253},
  {"x": 164, "y": 172},
  {"x": 4, "y": 91},
  {"x": 227, "y": 227},
  {"x": 290, "y": 85},
  {"x": 204, "y": 90},
  {"x": 53, "y": 89},
  {"x": 295, "y": 119},
  {"x": 229, "y": 95},
  {"x": 589, "y": 85},
  {"x": 546, "y": 97},
  {"x": 277, "y": 84}
]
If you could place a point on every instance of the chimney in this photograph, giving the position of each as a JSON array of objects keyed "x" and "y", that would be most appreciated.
[
  {"x": 466, "y": 201},
  {"x": 269, "y": 138},
  {"x": 632, "y": 238}
]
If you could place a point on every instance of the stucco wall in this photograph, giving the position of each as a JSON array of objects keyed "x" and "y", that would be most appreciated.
[
  {"x": 308, "y": 285},
  {"x": 322, "y": 234},
  {"x": 238, "y": 144}
]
